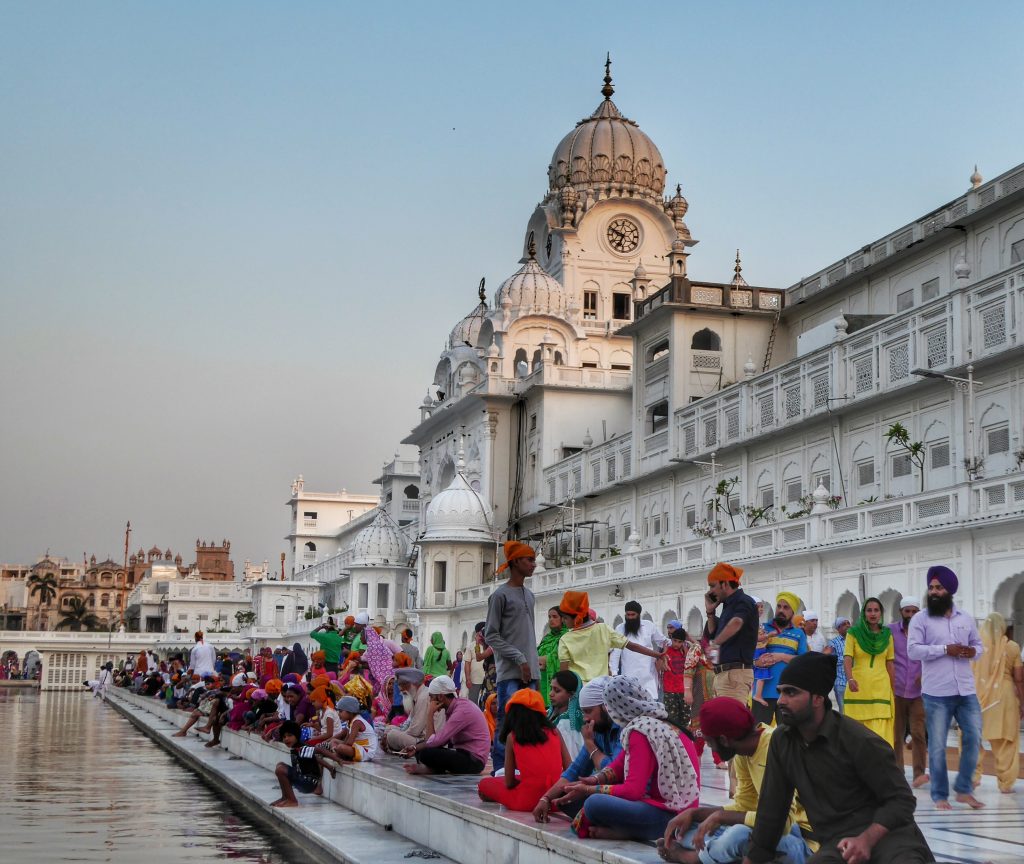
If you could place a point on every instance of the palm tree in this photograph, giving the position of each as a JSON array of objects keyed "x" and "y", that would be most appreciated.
[
  {"x": 44, "y": 586},
  {"x": 77, "y": 616}
]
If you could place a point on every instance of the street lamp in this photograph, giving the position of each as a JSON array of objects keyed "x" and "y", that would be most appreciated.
[
  {"x": 572, "y": 508},
  {"x": 967, "y": 386}
]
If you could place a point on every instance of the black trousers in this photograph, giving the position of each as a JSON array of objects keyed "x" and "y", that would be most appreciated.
[
  {"x": 448, "y": 760},
  {"x": 764, "y": 713}
]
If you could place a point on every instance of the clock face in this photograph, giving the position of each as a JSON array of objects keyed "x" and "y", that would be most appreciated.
[{"x": 623, "y": 235}]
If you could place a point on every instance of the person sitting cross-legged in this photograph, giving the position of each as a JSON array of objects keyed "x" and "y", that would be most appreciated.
[
  {"x": 461, "y": 745},
  {"x": 719, "y": 835}
]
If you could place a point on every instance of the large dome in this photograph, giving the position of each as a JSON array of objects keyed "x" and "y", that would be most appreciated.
[
  {"x": 458, "y": 513},
  {"x": 380, "y": 544},
  {"x": 609, "y": 152},
  {"x": 532, "y": 289}
]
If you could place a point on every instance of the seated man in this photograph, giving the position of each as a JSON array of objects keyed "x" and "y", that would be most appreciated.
[
  {"x": 600, "y": 746},
  {"x": 858, "y": 801},
  {"x": 719, "y": 835},
  {"x": 210, "y": 703},
  {"x": 416, "y": 699},
  {"x": 462, "y": 745}
]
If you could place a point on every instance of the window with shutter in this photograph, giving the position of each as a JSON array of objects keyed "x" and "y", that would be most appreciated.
[
  {"x": 938, "y": 454},
  {"x": 901, "y": 465},
  {"x": 865, "y": 473},
  {"x": 998, "y": 439}
]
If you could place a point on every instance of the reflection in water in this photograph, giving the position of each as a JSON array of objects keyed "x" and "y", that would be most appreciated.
[{"x": 80, "y": 783}]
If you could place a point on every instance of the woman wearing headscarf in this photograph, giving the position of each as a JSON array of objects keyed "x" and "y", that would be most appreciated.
[
  {"x": 547, "y": 651},
  {"x": 868, "y": 660},
  {"x": 999, "y": 675},
  {"x": 564, "y": 710},
  {"x": 436, "y": 659},
  {"x": 656, "y": 776},
  {"x": 296, "y": 662}
]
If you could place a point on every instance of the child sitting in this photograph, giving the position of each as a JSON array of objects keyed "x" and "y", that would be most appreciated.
[
  {"x": 357, "y": 741},
  {"x": 535, "y": 754},
  {"x": 329, "y": 723},
  {"x": 303, "y": 773}
]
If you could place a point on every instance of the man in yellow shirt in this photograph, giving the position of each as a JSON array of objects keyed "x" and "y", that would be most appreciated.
[
  {"x": 717, "y": 835},
  {"x": 584, "y": 648}
]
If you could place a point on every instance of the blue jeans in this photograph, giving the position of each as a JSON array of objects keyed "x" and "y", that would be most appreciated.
[
  {"x": 729, "y": 844},
  {"x": 504, "y": 690},
  {"x": 840, "y": 693},
  {"x": 643, "y": 821},
  {"x": 939, "y": 711}
]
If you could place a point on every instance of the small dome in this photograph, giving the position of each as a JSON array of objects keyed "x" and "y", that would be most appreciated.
[
  {"x": 532, "y": 289},
  {"x": 608, "y": 151},
  {"x": 379, "y": 544},
  {"x": 458, "y": 513},
  {"x": 976, "y": 179},
  {"x": 467, "y": 331}
]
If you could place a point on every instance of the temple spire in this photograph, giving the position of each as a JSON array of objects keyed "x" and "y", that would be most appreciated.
[
  {"x": 480, "y": 291},
  {"x": 608, "y": 90}
]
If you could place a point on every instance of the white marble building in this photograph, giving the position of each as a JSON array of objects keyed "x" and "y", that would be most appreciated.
[{"x": 640, "y": 424}]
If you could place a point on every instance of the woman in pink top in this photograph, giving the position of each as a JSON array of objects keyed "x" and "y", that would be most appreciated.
[{"x": 656, "y": 776}]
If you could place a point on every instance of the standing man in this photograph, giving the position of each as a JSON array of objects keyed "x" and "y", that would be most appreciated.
[
  {"x": 785, "y": 641},
  {"x": 509, "y": 630},
  {"x": 945, "y": 640},
  {"x": 858, "y": 803},
  {"x": 837, "y": 647},
  {"x": 815, "y": 638},
  {"x": 732, "y": 634},
  {"x": 636, "y": 630},
  {"x": 907, "y": 690},
  {"x": 329, "y": 640},
  {"x": 202, "y": 658}
]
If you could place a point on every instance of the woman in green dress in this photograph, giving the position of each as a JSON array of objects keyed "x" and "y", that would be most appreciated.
[
  {"x": 547, "y": 652},
  {"x": 436, "y": 659}
]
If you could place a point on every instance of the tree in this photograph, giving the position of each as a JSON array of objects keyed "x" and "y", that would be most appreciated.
[
  {"x": 77, "y": 616},
  {"x": 244, "y": 619},
  {"x": 897, "y": 434},
  {"x": 44, "y": 586}
]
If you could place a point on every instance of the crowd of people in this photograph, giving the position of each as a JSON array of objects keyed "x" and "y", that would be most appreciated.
[{"x": 606, "y": 726}]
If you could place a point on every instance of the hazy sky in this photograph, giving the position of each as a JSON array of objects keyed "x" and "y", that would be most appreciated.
[{"x": 234, "y": 236}]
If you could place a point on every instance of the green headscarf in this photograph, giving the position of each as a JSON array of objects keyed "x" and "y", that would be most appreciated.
[
  {"x": 549, "y": 648},
  {"x": 573, "y": 712},
  {"x": 871, "y": 642},
  {"x": 436, "y": 658}
]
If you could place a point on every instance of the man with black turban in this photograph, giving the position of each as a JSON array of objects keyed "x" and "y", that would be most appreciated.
[
  {"x": 865, "y": 810},
  {"x": 639, "y": 631}
]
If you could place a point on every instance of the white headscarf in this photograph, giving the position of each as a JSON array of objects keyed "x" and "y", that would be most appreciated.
[{"x": 630, "y": 705}]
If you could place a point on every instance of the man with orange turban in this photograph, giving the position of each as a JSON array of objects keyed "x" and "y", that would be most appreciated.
[
  {"x": 509, "y": 631},
  {"x": 584, "y": 648},
  {"x": 732, "y": 633}
]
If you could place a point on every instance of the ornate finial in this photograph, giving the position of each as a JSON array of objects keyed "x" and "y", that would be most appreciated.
[
  {"x": 737, "y": 279},
  {"x": 480, "y": 291},
  {"x": 607, "y": 90},
  {"x": 531, "y": 246},
  {"x": 976, "y": 180},
  {"x": 679, "y": 189},
  {"x": 739, "y": 267}
]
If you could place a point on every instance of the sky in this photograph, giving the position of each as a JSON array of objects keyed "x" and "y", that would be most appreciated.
[{"x": 234, "y": 236}]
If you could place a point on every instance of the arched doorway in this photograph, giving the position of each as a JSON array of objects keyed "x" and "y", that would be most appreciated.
[
  {"x": 694, "y": 623},
  {"x": 848, "y": 606},
  {"x": 1009, "y": 602},
  {"x": 890, "y": 599},
  {"x": 670, "y": 615}
]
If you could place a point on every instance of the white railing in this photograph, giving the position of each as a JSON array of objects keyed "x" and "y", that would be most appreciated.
[{"x": 592, "y": 470}]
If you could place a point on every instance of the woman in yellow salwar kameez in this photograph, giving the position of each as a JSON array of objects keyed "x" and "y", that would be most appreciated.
[
  {"x": 868, "y": 660},
  {"x": 999, "y": 675}
]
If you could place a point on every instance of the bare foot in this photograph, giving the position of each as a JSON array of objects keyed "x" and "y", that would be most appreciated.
[
  {"x": 416, "y": 768},
  {"x": 179, "y": 734},
  {"x": 969, "y": 800},
  {"x": 203, "y": 729},
  {"x": 332, "y": 769},
  {"x": 284, "y": 802},
  {"x": 677, "y": 854},
  {"x": 212, "y": 744},
  {"x": 920, "y": 781},
  {"x": 943, "y": 804},
  {"x": 318, "y": 790}
]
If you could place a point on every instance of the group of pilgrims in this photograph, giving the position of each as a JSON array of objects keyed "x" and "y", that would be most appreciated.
[{"x": 605, "y": 727}]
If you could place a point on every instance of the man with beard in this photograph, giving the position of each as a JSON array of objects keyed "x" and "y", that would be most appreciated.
[
  {"x": 721, "y": 834},
  {"x": 858, "y": 803},
  {"x": 732, "y": 635},
  {"x": 644, "y": 669},
  {"x": 416, "y": 702},
  {"x": 785, "y": 641},
  {"x": 600, "y": 746},
  {"x": 945, "y": 640},
  {"x": 909, "y": 706},
  {"x": 815, "y": 638}
]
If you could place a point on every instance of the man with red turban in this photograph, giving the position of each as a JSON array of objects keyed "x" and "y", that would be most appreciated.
[
  {"x": 722, "y": 833},
  {"x": 509, "y": 631}
]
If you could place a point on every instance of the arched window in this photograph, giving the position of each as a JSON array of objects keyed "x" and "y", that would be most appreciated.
[
  {"x": 520, "y": 364},
  {"x": 411, "y": 492},
  {"x": 311, "y": 546},
  {"x": 706, "y": 340},
  {"x": 657, "y": 351},
  {"x": 105, "y": 600},
  {"x": 558, "y": 358},
  {"x": 536, "y": 361}
]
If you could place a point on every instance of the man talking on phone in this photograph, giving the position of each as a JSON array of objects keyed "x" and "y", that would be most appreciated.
[{"x": 731, "y": 632}]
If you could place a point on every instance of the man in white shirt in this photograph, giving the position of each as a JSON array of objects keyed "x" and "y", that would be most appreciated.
[
  {"x": 815, "y": 638},
  {"x": 203, "y": 657},
  {"x": 645, "y": 669}
]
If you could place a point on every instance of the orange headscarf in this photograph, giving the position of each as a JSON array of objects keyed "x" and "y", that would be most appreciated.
[
  {"x": 723, "y": 572},
  {"x": 529, "y": 699},
  {"x": 513, "y": 550},
  {"x": 273, "y": 687},
  {"x": 576, "y": 603},
  {"x": 318, "y": 657},
  {"x": 490, "y": 715},
  {"x": 401, "y": 660},
  {"x": 349, "y": 620},
  {"x": 321, "y": 681},
  {"x": 320, "y": 695}
]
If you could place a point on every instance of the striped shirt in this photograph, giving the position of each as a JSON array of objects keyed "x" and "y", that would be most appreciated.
[
  {"x": 838, "y": 644},
  {"x": 791, "y": 641}
]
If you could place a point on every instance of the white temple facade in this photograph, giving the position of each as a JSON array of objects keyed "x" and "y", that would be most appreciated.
[{"x": 638, "y": 423}]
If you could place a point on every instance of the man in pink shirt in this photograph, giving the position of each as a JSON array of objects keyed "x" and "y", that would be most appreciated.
[
  {"x": 462, "y": 745},
  {"x": 907, "y": 690}
]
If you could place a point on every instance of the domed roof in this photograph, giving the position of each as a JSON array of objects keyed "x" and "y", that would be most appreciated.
[
  {"x": 379, "y": 544},
  {"x": 458, "y": 513},
  {"x": 467, "y": 330},
  {"x": 532, "y": 289},
  {"x": 608, "y": 151}
]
